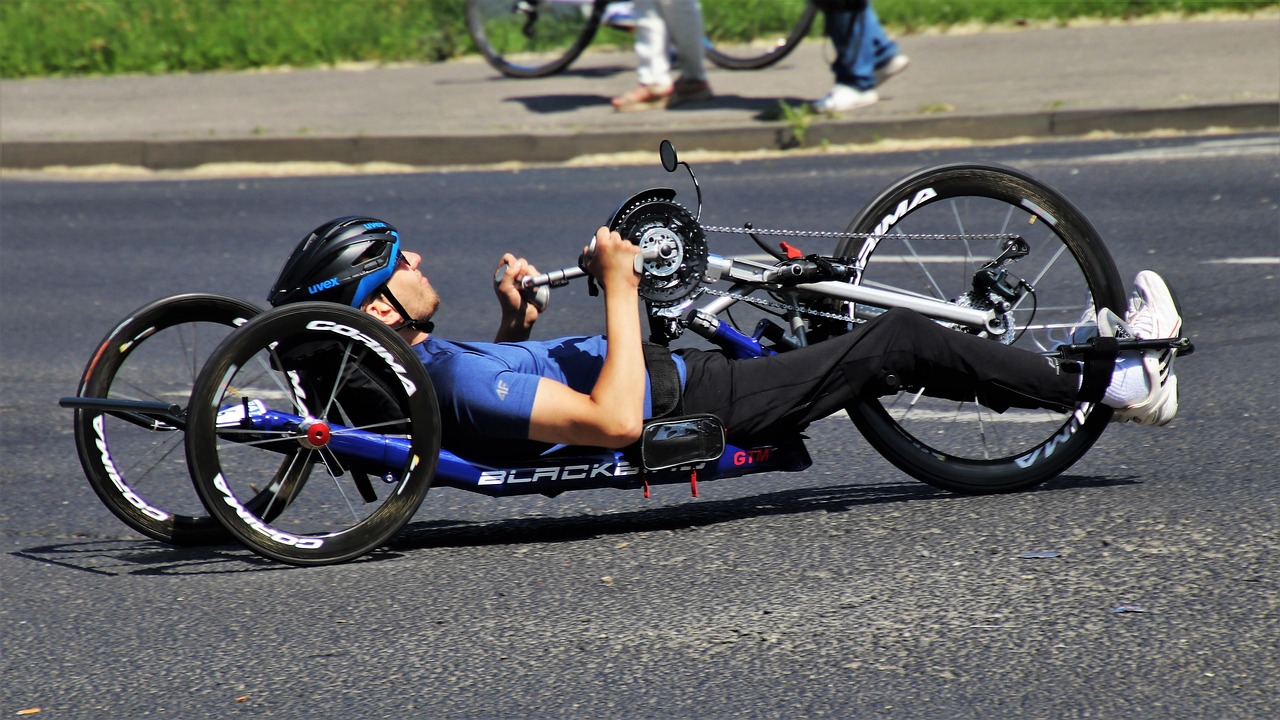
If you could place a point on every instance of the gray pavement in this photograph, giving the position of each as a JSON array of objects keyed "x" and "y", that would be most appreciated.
[{"x": 1041, "y": 82}]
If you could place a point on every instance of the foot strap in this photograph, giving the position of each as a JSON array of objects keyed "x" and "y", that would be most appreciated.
[{"x": 1099, "y": 364}]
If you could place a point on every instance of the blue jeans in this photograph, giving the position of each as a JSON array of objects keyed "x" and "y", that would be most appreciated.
[{"x": 861, "y": 46}]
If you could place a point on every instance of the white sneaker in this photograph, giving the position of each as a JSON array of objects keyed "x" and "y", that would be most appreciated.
[
  {"x": 843, "y": 98},
  {"x": 895, "y": 65},
  {"x": 1153, "y": 309},
  {"x": 1153, "y": 314}
]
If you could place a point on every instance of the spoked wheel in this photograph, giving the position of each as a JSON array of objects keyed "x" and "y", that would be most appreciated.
[
  {"x": 963, "y": 446},
  {"x": 532, "y": 38},
  {"x": 313, "y": 434},
  {"x": 133, "y": 458},
  {"x": 753, "y": 34}
]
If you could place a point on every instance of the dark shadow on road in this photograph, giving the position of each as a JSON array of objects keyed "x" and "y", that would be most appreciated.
[
  {"x": 696, "y": 514},
  {"x": 766, "y": 109},
  {"x": 115, "y": 557}
]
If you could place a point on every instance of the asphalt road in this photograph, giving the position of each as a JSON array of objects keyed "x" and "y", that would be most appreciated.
[{"x": 845, "y": 591}]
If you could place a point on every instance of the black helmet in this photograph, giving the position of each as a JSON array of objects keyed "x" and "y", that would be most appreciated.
[{"x": 344, "y": 261}]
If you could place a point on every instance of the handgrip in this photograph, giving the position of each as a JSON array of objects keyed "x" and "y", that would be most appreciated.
[{"x": 537, "y": 295}]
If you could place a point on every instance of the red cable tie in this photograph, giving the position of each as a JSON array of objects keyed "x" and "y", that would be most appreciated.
[
  {"x": 645, "y": 480},
  {"x": 693, "y": 482}
]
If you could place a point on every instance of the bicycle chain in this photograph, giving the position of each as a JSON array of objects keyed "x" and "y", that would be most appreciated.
[{"x": 837, "y": 234}]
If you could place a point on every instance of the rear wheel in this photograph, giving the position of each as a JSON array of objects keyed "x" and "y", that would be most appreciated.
[
  {"x": 753, "y": 34},
  {"x": 135, "y": 461},
  {"x": 313, "y": 434},
  {"x": 532, "y": 38},
  {"x": 963, "y": 446}
]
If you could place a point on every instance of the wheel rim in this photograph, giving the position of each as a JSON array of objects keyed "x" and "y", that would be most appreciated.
[
  {"x": 508, "y": 34},
  {"x": 141, "y": 472},
  {"x": 943, "y": 269},
  {"x": 292, "y": 490},
  {"x": 749, "y": 34}
]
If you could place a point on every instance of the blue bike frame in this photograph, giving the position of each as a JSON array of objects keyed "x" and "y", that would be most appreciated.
[{"x": 563, "y": 469}]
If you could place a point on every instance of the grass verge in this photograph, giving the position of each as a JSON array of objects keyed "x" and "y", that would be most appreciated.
[{"x": 77, "y": 37}]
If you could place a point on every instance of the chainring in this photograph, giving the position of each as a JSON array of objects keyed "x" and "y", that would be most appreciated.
[{"x": 657, "y": 222}]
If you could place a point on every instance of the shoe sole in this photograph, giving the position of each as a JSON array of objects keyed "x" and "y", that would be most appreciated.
[
  {"x": 817, "y": 107},
  {"x": 692, "y": 97},
  {"x": 1161, "y": 297},
  {"x": 896, "y": 64},
  {"x": 649, "y": 105}
]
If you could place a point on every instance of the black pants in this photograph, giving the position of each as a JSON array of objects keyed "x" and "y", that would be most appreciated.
[{"x": 792, "y": 389}]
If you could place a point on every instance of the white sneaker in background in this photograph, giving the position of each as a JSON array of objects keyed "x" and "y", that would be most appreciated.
[{"x": 843, "y": 98}]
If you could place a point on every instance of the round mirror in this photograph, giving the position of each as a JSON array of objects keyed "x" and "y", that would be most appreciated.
[{"x": 667, "y": 152}]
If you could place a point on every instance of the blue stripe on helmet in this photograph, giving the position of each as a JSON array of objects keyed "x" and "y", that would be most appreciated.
[{"x": 374, "y": 280}]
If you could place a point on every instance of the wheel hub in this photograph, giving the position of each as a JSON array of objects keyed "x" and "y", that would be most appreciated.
[{"x": 315, "y": 434}]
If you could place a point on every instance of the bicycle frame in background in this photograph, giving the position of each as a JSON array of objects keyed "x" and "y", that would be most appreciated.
[{"x": 537, "y": 38}]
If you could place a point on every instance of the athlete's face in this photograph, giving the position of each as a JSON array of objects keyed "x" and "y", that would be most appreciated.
[{"x": 411, "y": 288}]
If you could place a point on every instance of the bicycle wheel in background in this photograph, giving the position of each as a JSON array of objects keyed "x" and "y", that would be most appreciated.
[
  {"x": 962, "y": 446},
  {"x": 313, "y": 434},
  {"x": 137, "y": 465},
  {"x": 532, "y": 38},
  {"x": 752, "y": 34}
]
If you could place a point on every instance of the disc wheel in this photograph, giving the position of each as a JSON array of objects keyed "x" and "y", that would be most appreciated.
[
  {"x": 532, "y": 38},
  {"x": 963, "y": 446},
  {"x": 135, "y": 461},
  {"x": 754, "y": 34},
  {"x": 313, "y": 434}
]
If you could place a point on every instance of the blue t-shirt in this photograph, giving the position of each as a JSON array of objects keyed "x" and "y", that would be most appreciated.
[{"x": 486, "y": 390}]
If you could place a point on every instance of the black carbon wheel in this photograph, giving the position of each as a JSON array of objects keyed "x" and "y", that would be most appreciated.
[
  {"x": 963, "y": 446},
  {"x": 135, "y": 461},
  {"x": 350, "y": 457}
]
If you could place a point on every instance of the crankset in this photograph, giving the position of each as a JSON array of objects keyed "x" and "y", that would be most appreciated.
[{"x": 672, "y": 242}]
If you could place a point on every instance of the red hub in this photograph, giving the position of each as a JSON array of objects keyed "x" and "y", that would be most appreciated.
[{"x": 316, "y": 434}]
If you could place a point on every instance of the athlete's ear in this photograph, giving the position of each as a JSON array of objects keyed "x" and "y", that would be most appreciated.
[{"x": 382, "y": 310}]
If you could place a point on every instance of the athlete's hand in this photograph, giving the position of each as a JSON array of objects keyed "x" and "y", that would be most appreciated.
[
  {"x": 613, "y": 262},
  {"x": 518, "y": 314}
]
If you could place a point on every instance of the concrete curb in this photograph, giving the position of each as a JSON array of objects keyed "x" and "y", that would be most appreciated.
[{"x": 444, "y": 150}]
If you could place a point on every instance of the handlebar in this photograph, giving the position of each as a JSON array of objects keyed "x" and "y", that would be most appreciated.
[{"x": 561, "y": 277}]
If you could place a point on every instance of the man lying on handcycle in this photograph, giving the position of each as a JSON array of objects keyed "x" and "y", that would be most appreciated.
[{"x": 523, "y": 396}]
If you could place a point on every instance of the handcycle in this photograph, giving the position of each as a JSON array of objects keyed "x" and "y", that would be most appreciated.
[
  {"x": 537, "y": 38},
  {"x": 289, "y": 455}
]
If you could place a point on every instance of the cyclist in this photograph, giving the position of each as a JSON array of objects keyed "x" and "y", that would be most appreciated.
[{"x": 519, "y": 396}]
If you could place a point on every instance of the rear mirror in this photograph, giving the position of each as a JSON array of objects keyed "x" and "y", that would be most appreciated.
[
  {"x": 667, "y": 152},
  {"x": 681, "y": 441}
]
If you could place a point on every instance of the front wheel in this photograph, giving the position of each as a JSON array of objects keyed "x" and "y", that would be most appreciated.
[
  {"x": 754, "y": 34},
  {"x": 313, "y": 434},
  {"x": 964, "y": 446},
  {"x": 532, "y": 38}
]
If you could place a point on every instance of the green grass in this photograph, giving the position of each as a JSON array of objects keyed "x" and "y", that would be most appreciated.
[{"x": 73, "y": 37}]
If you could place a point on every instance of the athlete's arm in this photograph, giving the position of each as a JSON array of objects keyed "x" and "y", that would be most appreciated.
[
  {"x": 518, "y": 314},
  {"x": 612, "y": 415}
]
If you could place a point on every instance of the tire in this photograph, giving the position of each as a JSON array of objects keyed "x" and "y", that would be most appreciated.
[
  {"x": 774, "y": 28},
  {"x": 153, "y": 355},
  {"x": 964, "y": 447},
  {"x": 330, "y": 368},
  {"x": 532, "y": 38}
]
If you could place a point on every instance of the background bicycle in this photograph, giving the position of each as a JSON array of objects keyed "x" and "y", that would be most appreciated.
[{"x": 537, "y": 38}]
